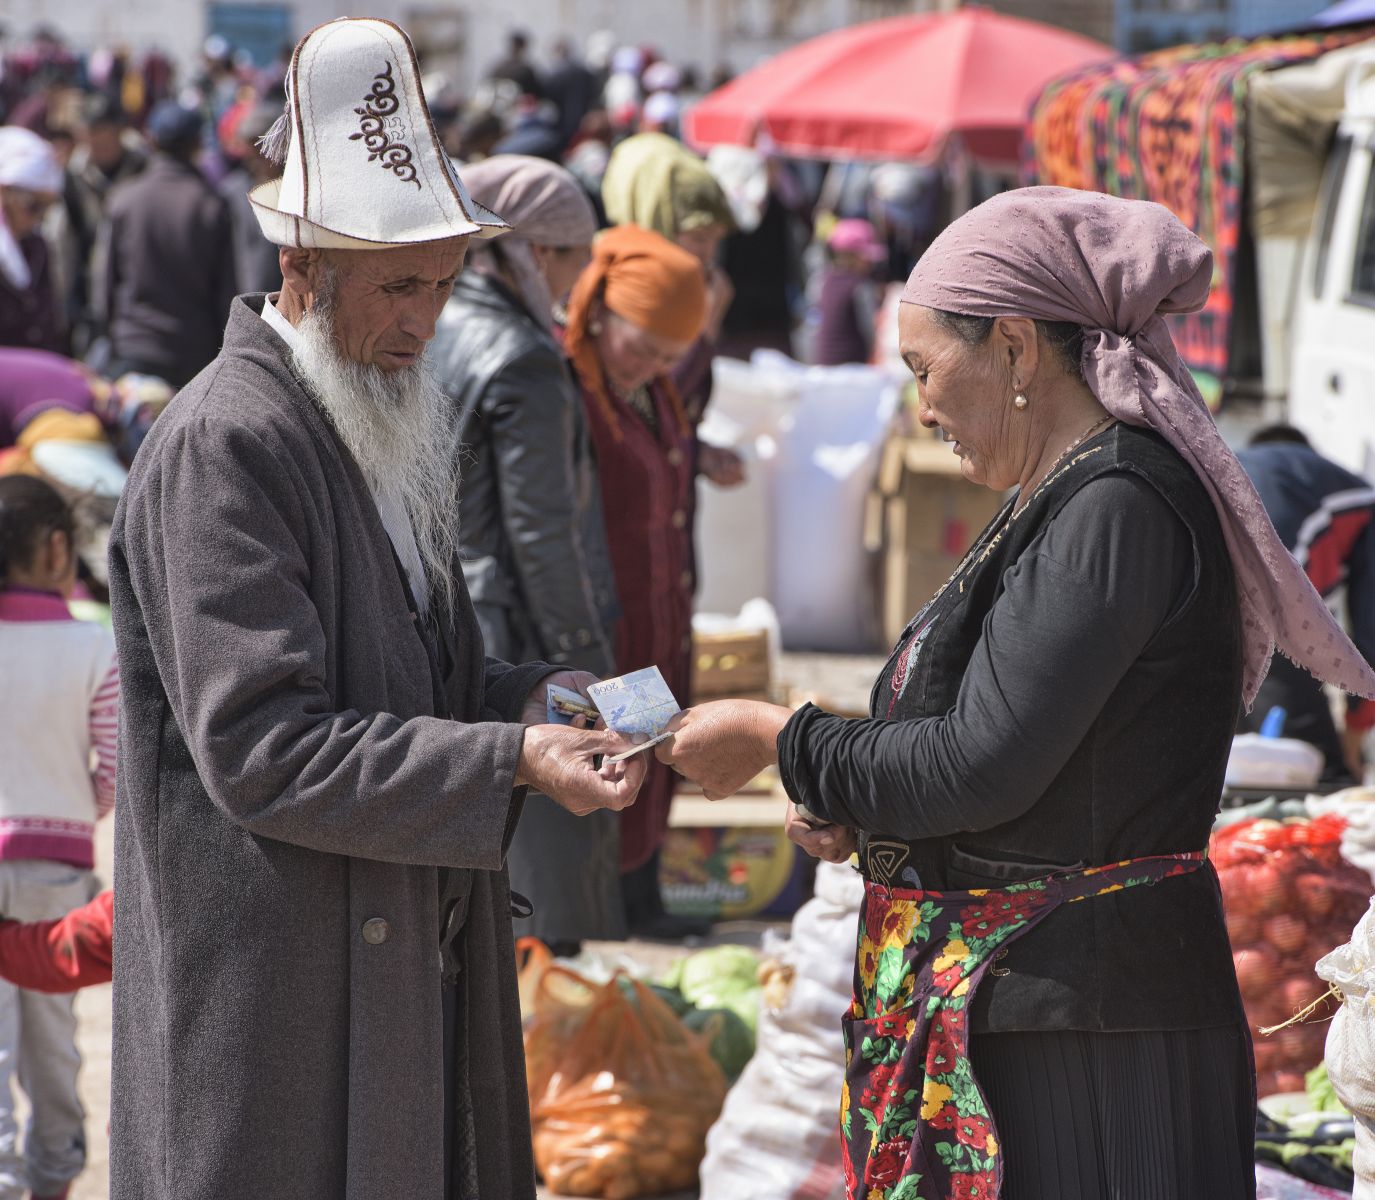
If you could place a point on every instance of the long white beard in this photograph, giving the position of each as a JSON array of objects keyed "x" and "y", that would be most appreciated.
[{"x": 402, "y": 432}]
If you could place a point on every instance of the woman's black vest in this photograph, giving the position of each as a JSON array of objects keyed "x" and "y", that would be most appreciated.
[{"x": 1146, "y": 779}]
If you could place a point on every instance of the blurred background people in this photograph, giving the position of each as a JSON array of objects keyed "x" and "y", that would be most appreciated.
[
  {"x": 633, "y": 313},
  {"x": 166, "y": 258},
  {"x": 30, "y": 183},
  {"x": 533, "y": 543},
  {"x": 847, "y": 297},
  {"x": 516, "y": 66},
  {"x": 571, "y": 86},
  {"x": 59, "y": 692},
  {"x": 107, "y": 153},
  {"x": 255, "y": 258},
  {"x": 1325, "y": 515},
  {"x": 658, "y": 184}
]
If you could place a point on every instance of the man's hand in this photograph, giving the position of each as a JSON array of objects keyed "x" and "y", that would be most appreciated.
[
  {"x": 724, "y": 744},
  {"x": 722, "y": 466},
  {"x": 536, "y": 710},
  {"x": 560, "y": 761},
  {"x": 832, "y": 843}
]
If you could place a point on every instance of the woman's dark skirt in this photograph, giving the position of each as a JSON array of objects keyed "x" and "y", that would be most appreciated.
[{"x": 1122, "y": 1116}]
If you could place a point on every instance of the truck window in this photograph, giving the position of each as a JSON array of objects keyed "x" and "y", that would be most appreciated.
[
  {"x": 1363, "y": 269},
  {"x": 1327, "y": 208}
]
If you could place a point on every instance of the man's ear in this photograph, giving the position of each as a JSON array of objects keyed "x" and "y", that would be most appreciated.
[{"x": 300, "y": 272}]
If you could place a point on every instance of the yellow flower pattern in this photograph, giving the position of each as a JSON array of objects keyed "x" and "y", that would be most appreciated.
[
  {"x": 955, "y": 951},
  {"x": 933, "y": 1098}
]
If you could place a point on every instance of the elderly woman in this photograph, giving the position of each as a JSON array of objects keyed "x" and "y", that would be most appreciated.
[
  {"x": 1053, "y": 727},
  {"x": 30, "y": 182},
  {"x": 530, "y": 517},
  {"x": 632, "y": 315},
  {"x": 657, "y": 183}
]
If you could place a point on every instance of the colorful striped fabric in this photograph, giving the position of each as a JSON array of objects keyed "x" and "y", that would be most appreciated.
[
  {"x": 1170, "y": 127},
  {"x": 104, "y": 739}
]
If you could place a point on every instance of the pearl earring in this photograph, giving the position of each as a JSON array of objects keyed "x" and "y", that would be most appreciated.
[{"x": 1019, "y": 402}]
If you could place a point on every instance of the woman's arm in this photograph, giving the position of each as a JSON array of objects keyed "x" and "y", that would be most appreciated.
[{"x": 1075, "y": 614}]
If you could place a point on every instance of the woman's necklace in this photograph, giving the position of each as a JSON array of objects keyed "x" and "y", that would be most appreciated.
[
  {"x": 1024, "y": 498},
  {"x": 642, "y": 403}
]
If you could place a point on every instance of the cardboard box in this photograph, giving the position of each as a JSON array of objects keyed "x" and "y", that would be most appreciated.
[
  {"x": 922, "y": 518},
  {"x": 730, "y": 664}
]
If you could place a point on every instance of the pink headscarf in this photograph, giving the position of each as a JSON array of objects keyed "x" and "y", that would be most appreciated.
[{"x": 1114, "y": 267}]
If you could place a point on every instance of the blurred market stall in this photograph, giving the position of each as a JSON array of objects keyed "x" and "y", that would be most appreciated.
[{"x": 901, "y": 88}]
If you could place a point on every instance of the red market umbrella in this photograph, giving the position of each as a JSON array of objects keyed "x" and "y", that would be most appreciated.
[{"x": 897, "y": 88}]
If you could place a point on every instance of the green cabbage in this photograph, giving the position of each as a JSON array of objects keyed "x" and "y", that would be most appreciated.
[{"x": 732, "y": 1042}]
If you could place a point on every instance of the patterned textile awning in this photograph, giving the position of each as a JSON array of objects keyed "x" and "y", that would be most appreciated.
[{"x": 1170, "y": 126}]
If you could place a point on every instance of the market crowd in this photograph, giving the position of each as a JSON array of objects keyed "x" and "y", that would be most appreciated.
[{"x": 370, "y": 428}]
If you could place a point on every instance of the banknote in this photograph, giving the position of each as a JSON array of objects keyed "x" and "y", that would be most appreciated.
[{"x": 638, "y": 703}]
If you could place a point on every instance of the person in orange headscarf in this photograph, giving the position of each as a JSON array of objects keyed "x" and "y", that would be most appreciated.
[{"x": 634, "y": 312}]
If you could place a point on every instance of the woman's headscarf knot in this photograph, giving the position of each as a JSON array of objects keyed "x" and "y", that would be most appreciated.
[{"x": 1116, "y": 267}]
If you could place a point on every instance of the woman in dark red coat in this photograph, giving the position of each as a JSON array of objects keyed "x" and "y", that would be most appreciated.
[{"x": 635, "y": 311}]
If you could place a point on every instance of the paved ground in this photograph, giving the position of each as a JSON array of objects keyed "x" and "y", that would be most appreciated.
[{"x": 840, "y": 682}]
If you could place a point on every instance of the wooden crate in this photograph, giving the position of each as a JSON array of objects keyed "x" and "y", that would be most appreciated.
[
  {"x": 730, "y": 664},
  {"x": 923, "y": 516}
]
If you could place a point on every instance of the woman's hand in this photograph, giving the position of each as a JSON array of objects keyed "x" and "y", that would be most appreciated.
[
  {"x": 831, "y": 843},
  {"x": 722, "y": 466},
  {"x": 724, "y": 744}
]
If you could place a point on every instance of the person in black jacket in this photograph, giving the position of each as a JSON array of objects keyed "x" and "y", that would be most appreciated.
[
  {"x": 1326, "y": 516},
  {"x": 1052, "y": 727},
  {"x": 532, "y": 541},
  {"x": 164, "y": 269}
]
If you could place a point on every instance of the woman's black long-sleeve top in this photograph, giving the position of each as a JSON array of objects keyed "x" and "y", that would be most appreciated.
[{"x": 1069, "y": 699}]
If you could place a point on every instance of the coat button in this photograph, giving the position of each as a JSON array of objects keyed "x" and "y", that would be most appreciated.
[
  {"x": 375, "y": 931},
  {"x": 679, "y": 518},
  {"x": 584, "y": 637}
]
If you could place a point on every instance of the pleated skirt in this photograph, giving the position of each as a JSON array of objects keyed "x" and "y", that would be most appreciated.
[{"x": 1122, "y": 1116}]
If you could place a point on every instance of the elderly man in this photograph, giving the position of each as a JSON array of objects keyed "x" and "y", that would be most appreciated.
[{"x": 314, "y": 973}]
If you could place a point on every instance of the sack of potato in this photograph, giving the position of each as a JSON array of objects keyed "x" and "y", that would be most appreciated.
[{"x": 622, "y": 1093}]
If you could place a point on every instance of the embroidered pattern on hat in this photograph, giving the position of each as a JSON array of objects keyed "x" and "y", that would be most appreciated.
[{"x": 382, "y": 130}]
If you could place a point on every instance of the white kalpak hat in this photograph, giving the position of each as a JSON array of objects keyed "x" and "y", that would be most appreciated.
[{"x": 364, "y": 168}]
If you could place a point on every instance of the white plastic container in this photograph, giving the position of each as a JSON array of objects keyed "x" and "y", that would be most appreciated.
[{"x": 1269, "y": 762}]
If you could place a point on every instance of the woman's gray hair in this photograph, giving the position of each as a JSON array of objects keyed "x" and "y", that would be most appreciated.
[{"x": 1065, "y": 338}]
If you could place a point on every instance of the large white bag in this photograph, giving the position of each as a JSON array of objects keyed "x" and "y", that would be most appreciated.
[
  {"x": 1351, "y": 1041},
  {"x": 778, "y": 1135}
]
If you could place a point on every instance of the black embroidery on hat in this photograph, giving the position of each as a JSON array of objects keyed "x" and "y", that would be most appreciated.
[{"x": 382, "y": 130}]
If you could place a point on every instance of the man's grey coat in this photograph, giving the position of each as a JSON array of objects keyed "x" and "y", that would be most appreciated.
[{"x": 285, "y": 789}]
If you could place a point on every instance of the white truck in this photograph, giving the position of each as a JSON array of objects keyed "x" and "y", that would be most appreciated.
[{"x": 1332, "y": 349}]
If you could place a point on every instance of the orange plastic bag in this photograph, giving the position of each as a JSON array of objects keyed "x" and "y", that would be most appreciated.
[
  {"x": 532, "y": 960},
  {"x": 622, "y": 1093}
]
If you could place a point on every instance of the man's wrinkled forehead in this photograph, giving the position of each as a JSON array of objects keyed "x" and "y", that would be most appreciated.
[{"x": 429, "y": 262}]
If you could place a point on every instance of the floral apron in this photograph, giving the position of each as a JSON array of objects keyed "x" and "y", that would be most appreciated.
[{"x": 915, "y": 1122}]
